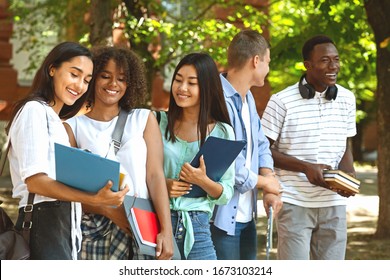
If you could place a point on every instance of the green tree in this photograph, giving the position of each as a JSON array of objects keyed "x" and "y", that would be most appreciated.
[
  {"x": 174, "y": 27},
  {"x": 292, "y": 22},
  {"x": 162, "y": 31},
  {"x": 377, "y": 13},
  {"x": 39, "y": 25}
]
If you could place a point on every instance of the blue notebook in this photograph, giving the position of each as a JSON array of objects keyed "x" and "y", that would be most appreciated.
[
  {"x": 218, "y": 154},
  {"x": 83, "y": 170}
]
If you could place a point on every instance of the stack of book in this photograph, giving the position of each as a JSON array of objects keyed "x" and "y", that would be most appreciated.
[{"x": 341, "y": 181}]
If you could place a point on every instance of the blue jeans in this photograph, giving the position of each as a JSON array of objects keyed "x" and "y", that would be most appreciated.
[
  {"x": 241, "y": 246},
  {"x": 203, "y": 248}
]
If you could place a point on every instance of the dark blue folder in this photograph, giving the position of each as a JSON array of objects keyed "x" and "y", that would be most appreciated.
[
  {"x": 83, "y": 170},
  {"x": 218, "y": 154}
]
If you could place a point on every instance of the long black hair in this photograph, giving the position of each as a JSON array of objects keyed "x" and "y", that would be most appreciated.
[
  {"x": 212, "y": 101},
  {"x": 42, "y": 88}
]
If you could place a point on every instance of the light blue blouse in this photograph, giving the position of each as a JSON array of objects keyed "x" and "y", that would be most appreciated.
[
  {"x": 180, "y": 152},
  {"x": 246, "y": 179}
]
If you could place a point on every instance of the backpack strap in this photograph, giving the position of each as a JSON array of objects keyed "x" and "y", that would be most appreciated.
[
  {"x": 118, "y": 130},
  {"x": 28, "y": 209},
  {"x": 27, "y": 223},
  {"x": 3, "y": 156}
]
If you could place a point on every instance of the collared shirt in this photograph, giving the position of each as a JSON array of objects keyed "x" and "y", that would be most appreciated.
[
  {"x": 313, "y": 130},
  {"x": 246, "y": 179}
]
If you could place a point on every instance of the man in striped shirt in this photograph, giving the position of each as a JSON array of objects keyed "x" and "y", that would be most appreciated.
[{"x": 308, "y": 125}]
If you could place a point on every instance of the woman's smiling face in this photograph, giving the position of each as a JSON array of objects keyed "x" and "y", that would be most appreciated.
[
  {"x": 71, "y": 80},
  {"x": 110, "y": 84},
  {"x": 185, "y": 87}
]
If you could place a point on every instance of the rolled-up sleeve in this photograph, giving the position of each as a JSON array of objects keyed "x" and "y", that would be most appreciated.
[{"x": 30, "y": 143}]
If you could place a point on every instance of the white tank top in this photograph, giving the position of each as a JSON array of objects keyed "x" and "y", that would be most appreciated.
[
  {"x": 244, "y": 210},
  {"x": 96, "y": 137}
]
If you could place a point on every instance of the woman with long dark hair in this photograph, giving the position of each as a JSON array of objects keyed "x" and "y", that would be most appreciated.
[
  {"x": 119, "y": 86},
  {"x": 197, "y": 110},
  {"x": 58, "y": 91}
]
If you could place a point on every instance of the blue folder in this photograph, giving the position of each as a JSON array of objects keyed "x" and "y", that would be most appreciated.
[
  {"x": 84, "y": 170},
  {"x": 218, "y": 155}
]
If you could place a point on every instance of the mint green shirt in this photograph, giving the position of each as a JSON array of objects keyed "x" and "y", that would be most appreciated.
[{"x": 180, "y": 152}]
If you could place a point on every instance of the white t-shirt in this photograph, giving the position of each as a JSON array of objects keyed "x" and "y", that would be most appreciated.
[
  {"x": 32, "y": 135},
  {"x": 96, "y": 136},
  {"x": 245, "y": 207},
  {"x": 313, "y": 130}
]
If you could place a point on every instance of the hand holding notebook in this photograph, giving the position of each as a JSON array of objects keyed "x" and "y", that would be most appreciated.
[{"x": 218, "y": 154}]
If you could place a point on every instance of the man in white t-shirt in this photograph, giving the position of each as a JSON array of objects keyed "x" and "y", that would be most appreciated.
[
  {"x": 308, "y": 125},
  {"x": 234, "y": 227}
]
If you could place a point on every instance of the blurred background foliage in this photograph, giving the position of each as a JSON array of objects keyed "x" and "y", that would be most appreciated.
[{"x": 162, "y": 31}]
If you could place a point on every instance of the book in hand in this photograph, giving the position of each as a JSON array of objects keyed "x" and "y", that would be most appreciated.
[
  {"x": 218, "y": 155},
  {"x": 144, "y": 225},
  {"x": 84, "y": 170},
  {"x": 340, "y": 180}
]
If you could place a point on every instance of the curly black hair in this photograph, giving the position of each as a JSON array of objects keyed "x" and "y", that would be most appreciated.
[
  {"x": 133, "y": 67},
  {"x": 309, "y": 45}
]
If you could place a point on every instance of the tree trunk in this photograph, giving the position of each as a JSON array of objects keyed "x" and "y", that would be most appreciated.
[
  {"x": 378, "y": 12},
  {"x": 136, "y": 9},
  {"x": 100, "y": 23},
  {"x": 74, "y": 27},
  {"x": 357, "y": 143}
]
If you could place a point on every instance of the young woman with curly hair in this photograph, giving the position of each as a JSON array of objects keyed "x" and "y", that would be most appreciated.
[{"x": 119, "y": 83}]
